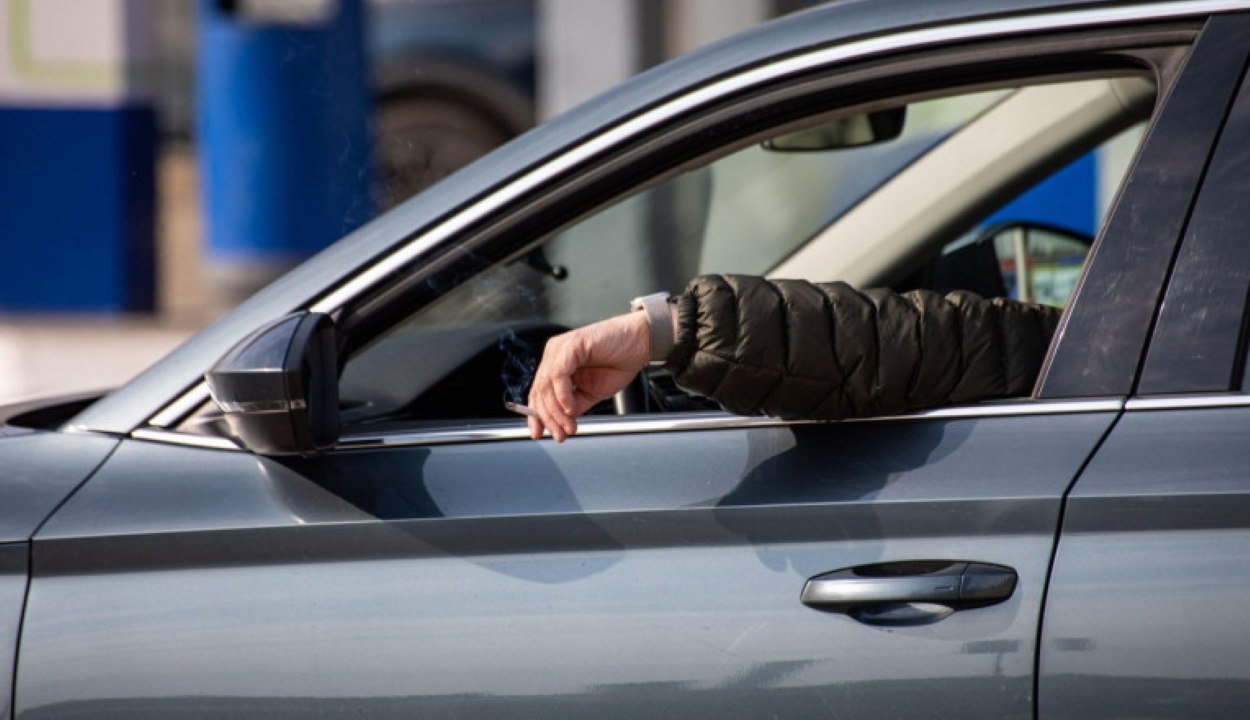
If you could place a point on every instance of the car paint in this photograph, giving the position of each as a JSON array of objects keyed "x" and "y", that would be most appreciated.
[
  {"x": 1145, "y": 615},
  {"x": 38, "y": 471},
  {"x": 475, "y": 579},
  {"x": 14, "y": 569},
  {"x": 1146, "y": 612}
]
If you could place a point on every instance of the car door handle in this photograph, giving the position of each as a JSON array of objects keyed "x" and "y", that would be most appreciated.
[{"x": 909, "y": 593}]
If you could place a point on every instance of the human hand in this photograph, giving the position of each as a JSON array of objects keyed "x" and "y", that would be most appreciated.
[{"x": 582, "y": 367}]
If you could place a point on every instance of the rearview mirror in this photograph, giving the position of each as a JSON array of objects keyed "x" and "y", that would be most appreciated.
[
  {"x": 844, "y": 132},
  {"x": 278, "y": 388}
]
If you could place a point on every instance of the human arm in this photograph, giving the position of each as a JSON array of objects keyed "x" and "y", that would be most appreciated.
[
  {"x": 584, "y": 366},
  {"x": 794, "y": 349}
]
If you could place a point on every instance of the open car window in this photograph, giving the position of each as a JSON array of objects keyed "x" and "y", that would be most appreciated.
[{"x": 944, "y": 204}]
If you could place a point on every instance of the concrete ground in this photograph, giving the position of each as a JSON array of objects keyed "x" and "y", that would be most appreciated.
[{"x": 41, "y": 354}]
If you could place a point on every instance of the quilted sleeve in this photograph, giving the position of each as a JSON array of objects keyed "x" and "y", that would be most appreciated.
[{"x": 793, "y": 349}]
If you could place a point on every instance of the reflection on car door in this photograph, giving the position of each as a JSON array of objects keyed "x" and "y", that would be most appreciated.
[
  {"x": 1146, "y": 613},
  {"x": 619, "y": 575}
]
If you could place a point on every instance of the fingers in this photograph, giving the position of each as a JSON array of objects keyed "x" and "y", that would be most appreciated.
[
  {"x": 553, "y": 419},
  {"x": 582, "y": 367},
  {"x": 563, "y": 391},
  {"x": 551, "y": 394}
]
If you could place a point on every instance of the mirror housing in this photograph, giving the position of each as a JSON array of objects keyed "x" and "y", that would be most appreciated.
[{"x": 278, "y": 388}]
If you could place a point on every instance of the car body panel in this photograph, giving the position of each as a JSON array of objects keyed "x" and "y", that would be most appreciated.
[
  {"x": 38, "y": 470},
  {"x": 411, "y": 580},
  {"x": 13, "y": 575},
  {"x": 1145, "y": 617}
]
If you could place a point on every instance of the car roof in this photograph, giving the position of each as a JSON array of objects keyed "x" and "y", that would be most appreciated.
[{"x": 131, "y": 405}]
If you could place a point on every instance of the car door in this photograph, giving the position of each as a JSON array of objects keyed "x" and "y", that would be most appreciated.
[
  {"x": 674, "y": 564},
  {"x": 1145, "y": 616}
]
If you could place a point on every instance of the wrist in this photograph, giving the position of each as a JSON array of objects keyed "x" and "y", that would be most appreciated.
[{"x": 657, "y": 310}]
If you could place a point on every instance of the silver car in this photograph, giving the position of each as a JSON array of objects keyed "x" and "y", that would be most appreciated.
[{"x": 354, "y": 526}]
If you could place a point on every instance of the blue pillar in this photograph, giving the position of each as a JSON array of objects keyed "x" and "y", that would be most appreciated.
[
  {"x": 77, "y": 160},
  {"x": 283, "y": 107},
  {"x": 1067, "y": 199}
]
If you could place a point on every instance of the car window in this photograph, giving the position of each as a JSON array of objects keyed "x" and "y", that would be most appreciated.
[
  {"x": 1034, "y": 248},
  {"x": 904, "y": 212}
]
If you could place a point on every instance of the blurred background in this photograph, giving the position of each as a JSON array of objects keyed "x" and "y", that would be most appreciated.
[{"x": 161, "y": 160}]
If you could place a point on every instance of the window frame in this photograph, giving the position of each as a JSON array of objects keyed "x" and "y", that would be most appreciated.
[
  {"x": 1034, "y": 52},
  {"x": 431, "y": 400},
  {"x": 696, "y": 139},
  {"x": 686, "y": 141}
]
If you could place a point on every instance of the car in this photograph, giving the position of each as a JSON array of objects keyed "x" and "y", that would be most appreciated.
[{"x": 351, "y": 523}]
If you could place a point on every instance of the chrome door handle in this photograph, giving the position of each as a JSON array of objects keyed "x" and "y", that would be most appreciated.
[{"x": 909, "y": 593}]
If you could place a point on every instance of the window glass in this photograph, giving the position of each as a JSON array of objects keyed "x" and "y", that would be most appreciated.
[
  {"x": 1036, "y": 245},
  {"x": 762, "y": 205},
  {"x": 1039, "y": 265},
  {"x": 760, "y": 210}
]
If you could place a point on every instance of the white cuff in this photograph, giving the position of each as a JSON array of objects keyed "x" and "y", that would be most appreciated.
[{"x": 660, "y": 320}]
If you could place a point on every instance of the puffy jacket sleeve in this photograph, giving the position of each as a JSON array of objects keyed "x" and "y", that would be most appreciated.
[{"x": 793, "y": 349}]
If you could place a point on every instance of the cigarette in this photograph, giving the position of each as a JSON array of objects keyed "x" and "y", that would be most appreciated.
[{"x": 520, "y": 409}]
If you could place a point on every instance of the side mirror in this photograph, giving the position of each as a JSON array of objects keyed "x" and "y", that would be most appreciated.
[
  {"x": 278, "y": 388},
  {"x": 1020, "y": 259}
]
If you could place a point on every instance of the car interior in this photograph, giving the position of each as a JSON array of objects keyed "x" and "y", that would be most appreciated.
[
  {"x": 1028, "y": 134},
  {"x": 892, "y": 211}
]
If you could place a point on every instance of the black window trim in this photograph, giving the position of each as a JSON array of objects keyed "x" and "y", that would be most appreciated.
[
  {"x": 1199, "y": 342},
  {"x": 1104, "y": 334}
]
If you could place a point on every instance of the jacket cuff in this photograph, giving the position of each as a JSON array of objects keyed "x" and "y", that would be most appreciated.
[{"x": 686, "y": 340}]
